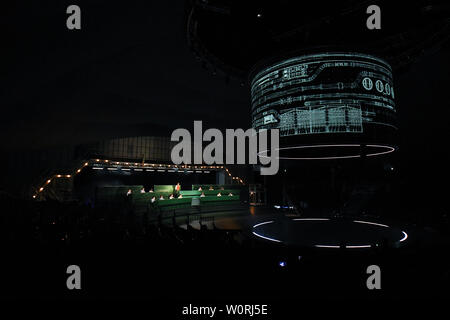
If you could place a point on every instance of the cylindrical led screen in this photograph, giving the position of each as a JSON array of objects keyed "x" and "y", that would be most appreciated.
[{"x": 326, "y": 93}]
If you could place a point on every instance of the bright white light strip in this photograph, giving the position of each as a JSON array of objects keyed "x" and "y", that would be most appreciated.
[
  {"x": 372, "y": 223},
  {"x": 262, "y": 223},
  {"x": 347, "y": 247},
  {"x": 198, "y": 172},
  {"x": 137, "y": 169},
  {"x": 125, "y": 169},
  {"x": 205, "y": 171},
  {"x": 405, "y": 236},
  {"x": 326, "y": 246},
  {"x": 380, "y": 153},
  {"x": 171, "y": 171},
  {"x": 261, "y": 236},
  {"x": 161, "y": 170},
  {"x": 97, "y": 168},
  {"x": 112, "y": 169},
  {"x": 359, "y": 246},
  {"x": 266, "y": 238},
  {"x": 311, "y": 219}
]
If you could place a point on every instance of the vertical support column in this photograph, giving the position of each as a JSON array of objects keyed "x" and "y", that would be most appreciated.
[{"x": 220, "y": 177}]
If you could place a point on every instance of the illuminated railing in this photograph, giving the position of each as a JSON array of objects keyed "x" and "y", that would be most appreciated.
[
  {"x": 100, "y": 164},
  {"x": 236, "y": 178}
]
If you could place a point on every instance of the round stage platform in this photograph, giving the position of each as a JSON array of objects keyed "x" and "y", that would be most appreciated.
[{"x": 329, "y": 233}]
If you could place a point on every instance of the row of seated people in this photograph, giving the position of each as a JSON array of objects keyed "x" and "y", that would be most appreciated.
[
  {"x": 172, "y": 196},
  {"x": 151, "y": 190},
  {"x": 210, "y": 188},
  {"x": 161, "y": 197},
  {"x": 177, "y": 189}
]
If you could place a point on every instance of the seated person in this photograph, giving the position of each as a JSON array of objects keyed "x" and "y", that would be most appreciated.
[
  {"x": 142, "y": 190},
  {"x": 211, "y": 188},
  {"x": 161, "y": 197},
  {"x": 199, "y": 188},
  {"x": 180, "y": 196},
  {"x": 151, "y": 190},
  {"x": 153, "y": 199},
  {"x": 202, "y": 195},
  {"x": 171, "y": 196},
  {"x": 177, "y": 187},
  {"x": 230, "y": 194},
  {"x": 219, "y": 194},
  {"x": 128, "y": 192}
]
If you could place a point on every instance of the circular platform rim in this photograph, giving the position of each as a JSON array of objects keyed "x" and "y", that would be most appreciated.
[{"x": 328, "y": 246}]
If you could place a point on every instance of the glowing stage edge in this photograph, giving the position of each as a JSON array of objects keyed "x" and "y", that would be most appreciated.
[{"x": 327, "y": 246}]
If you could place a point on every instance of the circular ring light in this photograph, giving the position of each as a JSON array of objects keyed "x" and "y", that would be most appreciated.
[
  {"x": 379, "y": 150},
  {"x": 359, "y": 243}
]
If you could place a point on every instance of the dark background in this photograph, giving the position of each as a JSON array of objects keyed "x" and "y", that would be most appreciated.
[{"x": 129, "y": 72}]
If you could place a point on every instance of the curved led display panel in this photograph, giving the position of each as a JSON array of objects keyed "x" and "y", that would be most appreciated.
[{"x": 326, "y": 99}]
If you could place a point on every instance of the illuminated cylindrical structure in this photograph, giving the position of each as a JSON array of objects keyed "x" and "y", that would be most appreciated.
[{"x": 326, "y": 105}]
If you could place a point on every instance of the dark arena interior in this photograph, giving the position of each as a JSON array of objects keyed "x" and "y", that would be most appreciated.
[{"x": 94, "y": 206}]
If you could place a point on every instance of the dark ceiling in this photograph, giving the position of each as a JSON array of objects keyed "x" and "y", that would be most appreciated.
[{"x": 129, "y": 71}]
